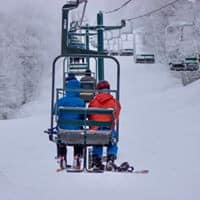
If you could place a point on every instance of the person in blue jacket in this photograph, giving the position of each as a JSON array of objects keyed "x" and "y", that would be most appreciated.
[{"x": 71, "y": 99}]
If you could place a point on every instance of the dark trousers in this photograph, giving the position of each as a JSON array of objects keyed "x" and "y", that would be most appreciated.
[{"x": 78, "y": 150}]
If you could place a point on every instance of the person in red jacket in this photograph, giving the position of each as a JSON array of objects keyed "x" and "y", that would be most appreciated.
[{"x": 104, "y": 100}]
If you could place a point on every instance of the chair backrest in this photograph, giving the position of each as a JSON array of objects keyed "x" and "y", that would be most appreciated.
[{"x": 85, "y": 112}]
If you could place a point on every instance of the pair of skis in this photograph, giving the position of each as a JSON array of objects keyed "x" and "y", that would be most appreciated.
[
  {"x": 71, "y": 169},
  {"x": 123, "y": 168},
  {"x": 133, "y": 172}
]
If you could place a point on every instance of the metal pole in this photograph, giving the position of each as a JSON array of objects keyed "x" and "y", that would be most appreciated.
[
  {"x": 64, "y": 33},
  {"x": 64, "y": 70},
  {"x": 100, "y": 45},
  {"x": 53, "y": 91},
  {"x": 87, "y": 40}
]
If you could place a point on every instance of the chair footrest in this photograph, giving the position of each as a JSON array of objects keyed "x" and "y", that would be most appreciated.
[{"x": 85, "y": 137}]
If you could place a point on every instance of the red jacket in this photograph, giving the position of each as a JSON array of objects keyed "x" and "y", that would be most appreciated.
[{"x": 104, "y": 100}]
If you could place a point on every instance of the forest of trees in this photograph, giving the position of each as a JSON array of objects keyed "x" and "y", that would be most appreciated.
[
  {"x": 26, "y": 41},
  {"x": 184, "y": 39}
]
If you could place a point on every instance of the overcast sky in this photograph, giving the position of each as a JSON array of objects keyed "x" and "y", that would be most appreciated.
[
  {"x": 93, "y": 5},
  {"x": 134, "y": 8}
]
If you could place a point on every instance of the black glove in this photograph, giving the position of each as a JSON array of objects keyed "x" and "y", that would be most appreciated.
[{"x": 51, "y": 137}]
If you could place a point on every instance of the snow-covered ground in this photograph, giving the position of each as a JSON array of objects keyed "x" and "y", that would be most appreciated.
[{"x": 159, "y": 131}]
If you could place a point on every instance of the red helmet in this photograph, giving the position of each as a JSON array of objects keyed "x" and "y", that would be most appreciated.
[{"x": 103, "y": 85}]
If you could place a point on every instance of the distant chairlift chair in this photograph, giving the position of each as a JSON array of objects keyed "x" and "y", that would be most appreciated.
[
  {"x": 177, "y": 66},
  {"x": 189, "y": 64},
  {"x": 145, "y": 58},
  {"x": 126, "y": 52},
  {"x": 77, "y": 65}
]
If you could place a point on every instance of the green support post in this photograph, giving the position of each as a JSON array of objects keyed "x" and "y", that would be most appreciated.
[{"x": 100, "y": 40}]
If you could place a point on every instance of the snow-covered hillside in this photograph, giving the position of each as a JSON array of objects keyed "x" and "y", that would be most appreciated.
[
  {"x": 158, "y": 131},
  {"x": 159, "y": 128}
]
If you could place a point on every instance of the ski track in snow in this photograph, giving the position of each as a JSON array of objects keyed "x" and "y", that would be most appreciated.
[{"x": 158, "y": 131}]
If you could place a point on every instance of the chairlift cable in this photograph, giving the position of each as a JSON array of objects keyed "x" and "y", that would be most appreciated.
[
  {"x": 119, "y": 8},
  {"x": 152, "y": 12}
]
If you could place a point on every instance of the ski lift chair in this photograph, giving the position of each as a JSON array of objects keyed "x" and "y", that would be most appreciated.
[
  {"x": 84, "y": 136},
  {"x": 145, "y": 58},
  {"x": 191, "y": 64},
  {"x": 126, "y": 52},
  {"x": 125, "y": 38},
  {"x": 179, "y": 66},
  {"x": 76, "y": 64}
]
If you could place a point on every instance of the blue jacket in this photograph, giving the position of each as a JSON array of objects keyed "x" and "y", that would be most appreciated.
[{"x": 71, "y": 99}]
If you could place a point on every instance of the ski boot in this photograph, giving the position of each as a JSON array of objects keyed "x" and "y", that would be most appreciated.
[
  {"x": 97, "y": 163},
  {"x": 110, "y": 165},
  {"x": 125, "y": 167}
]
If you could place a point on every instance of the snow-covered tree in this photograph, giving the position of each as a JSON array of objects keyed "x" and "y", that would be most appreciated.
[{"x": 27, "y": 47}]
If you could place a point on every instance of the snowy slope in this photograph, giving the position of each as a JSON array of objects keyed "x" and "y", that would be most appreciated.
[{"x": 158, "y": 131}]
